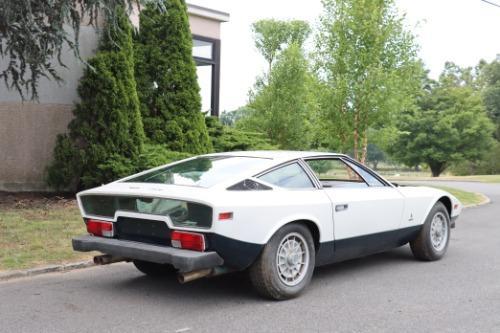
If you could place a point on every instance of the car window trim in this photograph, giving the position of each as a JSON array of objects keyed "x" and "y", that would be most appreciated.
[
  {"x": 331, "y": 158},
  {"x": 284, "y": 164},
  {"x": 359, "y": 165}
]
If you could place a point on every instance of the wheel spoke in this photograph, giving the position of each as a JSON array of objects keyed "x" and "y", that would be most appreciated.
[{"x": 292, "y": 259}]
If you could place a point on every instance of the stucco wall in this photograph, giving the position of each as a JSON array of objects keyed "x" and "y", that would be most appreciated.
[
  {"x": 204, "y": 27},
  {"x": 28, "y": 130}
]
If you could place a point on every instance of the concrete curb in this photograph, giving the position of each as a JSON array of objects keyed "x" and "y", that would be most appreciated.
[{"x": 8, "y": 275}]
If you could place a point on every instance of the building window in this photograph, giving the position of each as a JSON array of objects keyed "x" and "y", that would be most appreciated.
[
  {"x": 206, "y": 53},
  {"x": 203, "y": 49}
]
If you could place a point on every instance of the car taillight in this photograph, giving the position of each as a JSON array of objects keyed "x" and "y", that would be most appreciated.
[
  {"x": 100, "y": 228},
  {"x": 188, "y": 240}
]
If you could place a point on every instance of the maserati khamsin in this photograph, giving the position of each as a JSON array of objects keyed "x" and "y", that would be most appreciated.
[{"x": 275, "y": 214}]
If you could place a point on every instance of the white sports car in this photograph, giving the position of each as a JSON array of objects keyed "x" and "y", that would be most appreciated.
[{"x": 278, "y": 214}]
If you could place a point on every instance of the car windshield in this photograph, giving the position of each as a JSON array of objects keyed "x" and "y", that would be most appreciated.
[{"x": 201, "y": 172}]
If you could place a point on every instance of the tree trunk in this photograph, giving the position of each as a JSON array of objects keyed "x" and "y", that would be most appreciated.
[
  {"x": 356, "y": 136},
  {"x": 365, "y": 147},
  {"x": 437, "y": 168}
]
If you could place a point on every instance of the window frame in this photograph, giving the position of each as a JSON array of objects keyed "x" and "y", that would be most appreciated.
[
  {"x": 346, "y": 161},
  {"x": 214, "y": 62}
]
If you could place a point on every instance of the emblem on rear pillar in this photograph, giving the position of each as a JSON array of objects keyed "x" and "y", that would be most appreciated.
[{"x": 411, "y": 217}]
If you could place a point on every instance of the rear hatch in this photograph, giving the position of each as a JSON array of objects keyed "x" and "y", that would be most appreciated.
[{"x": 144, "y": 219}]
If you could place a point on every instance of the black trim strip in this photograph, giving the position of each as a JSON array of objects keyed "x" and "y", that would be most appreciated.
[
  {"x": 236, "y": 254},
  {"x": 350, "y": 248}
]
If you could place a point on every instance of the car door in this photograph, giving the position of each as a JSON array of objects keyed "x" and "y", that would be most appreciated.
[{"x": 366, "y": 212}]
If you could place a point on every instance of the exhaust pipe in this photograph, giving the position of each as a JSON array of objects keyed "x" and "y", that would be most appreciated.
[
  {"x": 208, "y": 272},
  {"x": 107, "y": 259}
]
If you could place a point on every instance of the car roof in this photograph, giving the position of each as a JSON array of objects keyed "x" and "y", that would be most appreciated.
[{"x": 277, "y": 155}]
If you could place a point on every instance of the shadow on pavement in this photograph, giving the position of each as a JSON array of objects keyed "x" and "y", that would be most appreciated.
[{"x": 235, "y": 286}]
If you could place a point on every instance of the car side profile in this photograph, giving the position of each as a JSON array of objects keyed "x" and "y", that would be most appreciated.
[{"x": 275, "y": 214}]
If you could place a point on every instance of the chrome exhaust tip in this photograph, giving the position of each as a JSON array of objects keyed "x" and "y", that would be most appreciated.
[{"x": 208, "y": 272}]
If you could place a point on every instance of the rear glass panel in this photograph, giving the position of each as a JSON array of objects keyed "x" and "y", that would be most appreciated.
[
  {"x": 289, "y": 176},
  {"x": 201, "y": 171},
  {"x": 182, "y": 213}
]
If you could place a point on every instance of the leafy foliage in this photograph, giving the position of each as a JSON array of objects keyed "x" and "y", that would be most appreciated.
[
  {"x": 449, "y": 125},
  {"x": 375, "y": 155},
  {"x": 367, "y": 68},
  {"x": 283, "y": 106},
  {"x": 488, "y": 165},
  {"x": 491, "y": 92},
  {"x": 272, "y": 36},
  {"x": 154, "y": 155},
  {"x": 33, "y": 36},
  {"x": 225, "y": 138},
  {"x": 229, "y": 118},
  {"x": 106, "y": 136},
  {"x": 166, "y": 80}
]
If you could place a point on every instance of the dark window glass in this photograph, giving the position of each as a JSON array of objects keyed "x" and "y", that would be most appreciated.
[
  {"x": 335, "y": 173},
  {"x": 201, "y": 171},
  {"x": 289, "y": 176},
  {"x": 369, "y": 178},
  {"x": 249, "y": 185},
  {"x": 182, "y": 213}
]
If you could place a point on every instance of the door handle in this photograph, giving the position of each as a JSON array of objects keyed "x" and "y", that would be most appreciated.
[{"x": 339, "y": 208}]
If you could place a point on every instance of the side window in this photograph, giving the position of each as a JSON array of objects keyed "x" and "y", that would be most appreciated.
[
  {"x": 335, "y": 173},
  {"x": 289, "y": 176},
  {"x": 371, "y": 180}
]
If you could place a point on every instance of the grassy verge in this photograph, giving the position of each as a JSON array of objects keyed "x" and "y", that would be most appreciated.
[
  {"x": 38, "y": 232},
  {"x": 465, "y": 197},
  {"x": 422, "y": 176}
]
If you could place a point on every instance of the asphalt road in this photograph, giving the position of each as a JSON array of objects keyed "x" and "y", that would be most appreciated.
[{"x": 389, "y": 292}]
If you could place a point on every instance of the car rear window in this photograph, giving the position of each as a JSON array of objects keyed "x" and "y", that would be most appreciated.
[
  {"x": 182, "y": 213},
  {"x": 201, "y": 172}
]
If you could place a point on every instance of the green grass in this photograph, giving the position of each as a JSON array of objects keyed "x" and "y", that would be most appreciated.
[
  {"x": 465, "y": 197},
  {"x": 426, "y": 176},
  {"x": 34, "y": 234}
]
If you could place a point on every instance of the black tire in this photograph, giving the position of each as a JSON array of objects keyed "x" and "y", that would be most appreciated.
[
  {"x": 154, "y": 269},
  {"x": 264, "y": 273},
  {"x": 422, "y": 246}
]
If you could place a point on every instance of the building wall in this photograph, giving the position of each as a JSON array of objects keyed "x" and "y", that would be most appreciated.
[
  {"x": 204, "y": 27},
  {"x": 28, "y": 130}
]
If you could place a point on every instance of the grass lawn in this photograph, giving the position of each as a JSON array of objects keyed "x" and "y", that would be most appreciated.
[
  {"x": 466, "y": 198},
  {"x": 425, "y": 176},
  {"x": 38, "y": 231}
]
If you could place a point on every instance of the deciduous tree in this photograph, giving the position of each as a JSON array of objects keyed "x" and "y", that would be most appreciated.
[
  {"x": 367, "y": 65},
  {"x": 282, "y": 108},
  {"x": 491, "y": 92},
  {"x": 272, "y": 36},
  {"x": 449, "y": 125}
]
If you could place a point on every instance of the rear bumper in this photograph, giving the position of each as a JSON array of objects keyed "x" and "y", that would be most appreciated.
[{"x": 183, "y": 260}]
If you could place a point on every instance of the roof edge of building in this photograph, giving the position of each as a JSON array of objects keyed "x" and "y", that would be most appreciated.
[{"x": 208, "y": 13}]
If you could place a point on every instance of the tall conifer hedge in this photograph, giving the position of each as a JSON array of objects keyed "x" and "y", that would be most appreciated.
[
  {"x": 166, "y": 80},
  {"x": 106, "y": 136}
]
